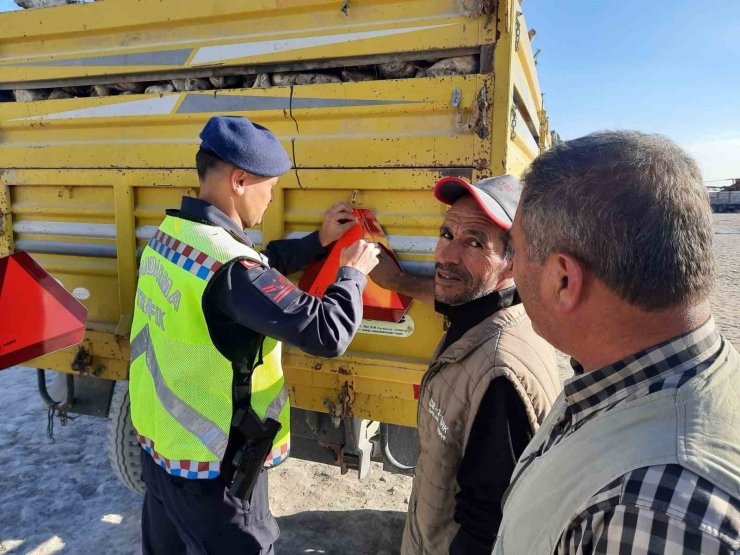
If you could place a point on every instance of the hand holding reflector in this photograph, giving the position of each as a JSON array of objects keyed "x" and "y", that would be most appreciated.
[
  {"x": 378, "y": 303},
  {"x": 37, "y": 315}
]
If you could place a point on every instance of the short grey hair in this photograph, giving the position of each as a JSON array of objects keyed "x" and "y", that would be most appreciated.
[
  {"x": 632, "y": 207},
  {"x": 508, "y": 246}
]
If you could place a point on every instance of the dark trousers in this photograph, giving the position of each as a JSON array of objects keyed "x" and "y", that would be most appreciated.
[{"x": 200, "y": 516}]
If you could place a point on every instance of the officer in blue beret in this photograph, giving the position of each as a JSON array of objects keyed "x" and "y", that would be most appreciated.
[{"x": 208, "y": 398}]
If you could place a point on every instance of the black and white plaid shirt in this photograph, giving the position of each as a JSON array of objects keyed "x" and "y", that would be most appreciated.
[{"x": 657, "y": 509}]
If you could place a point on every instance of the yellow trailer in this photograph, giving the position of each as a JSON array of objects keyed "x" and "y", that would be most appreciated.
[{"x": 86, "y": 173}]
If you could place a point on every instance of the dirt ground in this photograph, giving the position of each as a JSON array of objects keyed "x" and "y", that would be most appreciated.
[
  {"x": 726, "y": 294},
  {"x": 321, "y": 511}
]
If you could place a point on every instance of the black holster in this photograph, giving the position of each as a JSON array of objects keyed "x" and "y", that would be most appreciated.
[{"x": 250, "y": 459}]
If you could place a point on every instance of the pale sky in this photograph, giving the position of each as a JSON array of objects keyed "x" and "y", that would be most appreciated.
[{"x": 664, "y": 66}]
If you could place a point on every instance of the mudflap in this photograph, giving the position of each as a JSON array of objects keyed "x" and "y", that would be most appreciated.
[{"x": 90, "y": 395}]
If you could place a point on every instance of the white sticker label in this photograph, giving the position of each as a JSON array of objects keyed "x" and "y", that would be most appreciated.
[
  {"x": 404, "y": 328},
  {"x": 81, "y": 293}
]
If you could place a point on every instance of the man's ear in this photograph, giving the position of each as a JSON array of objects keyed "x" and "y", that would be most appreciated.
[
  {"x": 564, "y": 277},
  {"x": 238, "y": 181},
  {"x": 508, "y": 271}
]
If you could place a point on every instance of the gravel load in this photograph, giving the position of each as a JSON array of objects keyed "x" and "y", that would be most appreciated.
[{"x": 461, "y": 65}]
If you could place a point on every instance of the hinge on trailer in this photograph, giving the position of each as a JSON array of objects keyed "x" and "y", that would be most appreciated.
[
  {"x": 342, "y": 408},
  {"x": 83, "y": 363},
  {"x": 479, "y": 117},
  {"x": 480, "y": 8}
]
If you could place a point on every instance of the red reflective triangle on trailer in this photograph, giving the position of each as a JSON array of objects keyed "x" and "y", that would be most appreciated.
[
  {"x": 377, "y": 303},
  {"x": 37, "y": 315}
]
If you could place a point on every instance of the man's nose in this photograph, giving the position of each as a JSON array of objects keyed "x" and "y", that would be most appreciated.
[{"x": 447, "y": 252}]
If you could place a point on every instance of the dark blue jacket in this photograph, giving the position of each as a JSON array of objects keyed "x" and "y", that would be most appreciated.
[{"x": 242, "y": 305}]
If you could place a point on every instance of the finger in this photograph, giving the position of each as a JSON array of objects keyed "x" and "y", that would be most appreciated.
[
  {"x": 344, "y": 206},
  {"x": 343, "y": 215},
  {"x": 340, "y": 207},
  {"x": 345, "y": 227}
]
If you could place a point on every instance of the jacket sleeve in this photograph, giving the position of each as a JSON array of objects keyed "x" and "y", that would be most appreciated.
[
  {"x": 291, "y": 255},
  {"x": 498, "y": 437},
  {"x": 265, "y": 301}
]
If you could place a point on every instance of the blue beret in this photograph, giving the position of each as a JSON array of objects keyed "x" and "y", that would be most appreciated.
[{"x": 247, "y": 145}]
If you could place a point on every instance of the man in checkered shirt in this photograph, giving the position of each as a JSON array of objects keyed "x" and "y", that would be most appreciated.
[{"x": 641, "y": 452}]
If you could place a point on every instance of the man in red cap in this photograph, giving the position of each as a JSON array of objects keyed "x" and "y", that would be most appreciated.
[{"x": 491, "y": 380}]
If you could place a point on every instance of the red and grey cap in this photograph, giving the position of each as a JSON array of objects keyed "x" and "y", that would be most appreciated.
[{"x": 497, "y": 196}]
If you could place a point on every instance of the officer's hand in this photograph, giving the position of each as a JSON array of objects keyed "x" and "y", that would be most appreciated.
[
  {"x": 386, "y": 273},
  {"x": 360, "y": 255},
  {"x": 337, "y": 221}
]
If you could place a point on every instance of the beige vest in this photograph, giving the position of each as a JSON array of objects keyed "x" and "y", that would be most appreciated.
[
  {"x": 695, "y": 426},
  {"x": 504, "y": 345}
]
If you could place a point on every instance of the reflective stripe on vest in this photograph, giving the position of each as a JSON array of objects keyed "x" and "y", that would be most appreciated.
[
  {"x": 201, "y": 427},
  {"x": 181, "y": 389}
]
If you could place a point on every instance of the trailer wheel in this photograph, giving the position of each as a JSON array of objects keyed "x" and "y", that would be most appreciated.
[{"x": 124, "y": 451}]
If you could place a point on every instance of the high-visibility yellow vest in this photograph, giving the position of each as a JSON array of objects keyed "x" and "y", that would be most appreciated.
[{"x": 181, "y": 385}]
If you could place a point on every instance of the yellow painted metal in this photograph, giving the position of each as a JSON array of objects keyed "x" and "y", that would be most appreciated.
[
  {"x": 110, "y": 355},
  {"x": 123, "y": 196},
  {"x": 93, "y": 176},
  {"x": 146, "y": 36},
  {"x": 420, "y": 130},
  {"x": 407, "y": 123},
  {"x": 524, "y": 99},
  {"x": 379, "y": 386},
  {"x": 503, "y": 91},
  {"x": 529, "y": 86},
  {"x": 381, "y": 370},
  {"x": 524, "y": 140},
  {"x": 519, "y": 156}
]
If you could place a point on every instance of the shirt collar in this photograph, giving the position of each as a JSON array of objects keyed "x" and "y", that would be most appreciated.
[
  {"x": 198, "y": 209},
  {"x": 607, "y": 385}
]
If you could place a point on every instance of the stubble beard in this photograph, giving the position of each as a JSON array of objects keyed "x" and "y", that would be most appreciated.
[{"x": 472, "y": 291}]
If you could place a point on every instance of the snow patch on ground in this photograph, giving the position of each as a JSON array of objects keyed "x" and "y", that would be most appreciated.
[{"x": 60, "y": 495}]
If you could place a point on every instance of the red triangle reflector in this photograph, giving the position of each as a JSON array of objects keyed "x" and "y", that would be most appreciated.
[
  {"x": 378, "y": 303},
  {"x": 37, "y": 315}
]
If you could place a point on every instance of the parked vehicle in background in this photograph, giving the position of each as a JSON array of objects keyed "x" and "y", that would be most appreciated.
[{"x": 725, "y": 201}]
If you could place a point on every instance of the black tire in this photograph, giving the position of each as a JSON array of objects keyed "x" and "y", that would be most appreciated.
[{"x": 124, "y": 451}]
